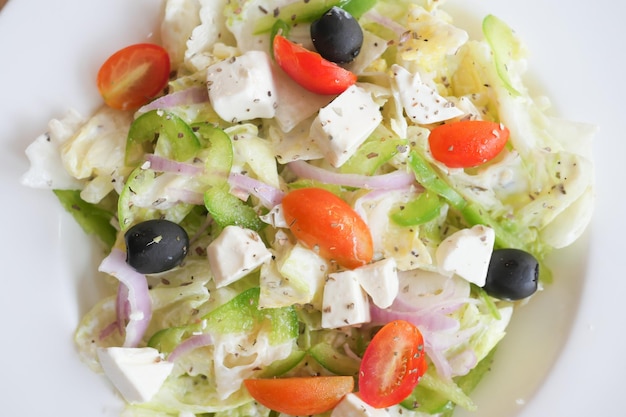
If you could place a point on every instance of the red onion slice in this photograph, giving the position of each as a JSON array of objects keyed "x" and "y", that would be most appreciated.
[
  {"x": 269, "y": 196},
  {"x": 159, "y": 163},
  {"x": 392, "y": 181},
  {"x": 140, "y": 305},
  {"x": 431, "y": 321},
  {"x": 192, "y": 95},
  {"x": 194, "y": 342},
  {"x": 122, "y": 307}
]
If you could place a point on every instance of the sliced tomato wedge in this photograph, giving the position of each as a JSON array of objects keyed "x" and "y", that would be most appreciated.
[
  {"x": 133, "y": 76},
  {"x": 328, "y": 225},
  {"x": 392, "y": 364},
  {"x": 467, "y": 143},
  {"x": 300, "y": 396},
  {"x": 310, "y": 69}
]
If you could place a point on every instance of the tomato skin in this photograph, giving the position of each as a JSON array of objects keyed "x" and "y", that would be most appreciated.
[
  {"x": 392, "y": 364},
  {"x": 134, "y": 75},
  {"x": 300, "y": 396},
  {"x": 327, "y": 224},
  {"x": 467, "y": 143},
  {"x": 309, "y": 69}
]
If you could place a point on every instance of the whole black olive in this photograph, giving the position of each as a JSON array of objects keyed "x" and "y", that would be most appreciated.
[
  {"x": 155, "y": 246},
  {"x": 337, "y": 36},
  {"x": 513, "y": 274}
]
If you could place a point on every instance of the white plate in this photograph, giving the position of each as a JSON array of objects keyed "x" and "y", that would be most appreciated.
[{"x": 563, "y": 355}]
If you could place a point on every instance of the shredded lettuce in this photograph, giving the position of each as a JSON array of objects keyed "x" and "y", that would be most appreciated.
[{"x": 537, "y": 195}]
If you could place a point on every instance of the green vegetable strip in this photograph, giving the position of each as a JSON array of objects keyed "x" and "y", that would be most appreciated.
[
  {"x": 378, "y": 149},
  {"x": 228, "y": 210},
  {"x": 505, "y": 48},
  {"x": 430, "y": 180},
  {"x": 333, "y": 360},
  {"x": 219, "y": 159},
  {"x": 280, "y": 27},
  {"x": 489, "y": 302},
  {"x": 92, "y": 218},
  {"x": 426, "y": 207},
  {"x": 448, "y": 389},
  {"x": 433, "y": 395}
]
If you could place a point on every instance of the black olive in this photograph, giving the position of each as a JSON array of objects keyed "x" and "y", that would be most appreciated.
[
  {"x": 513, "y": 274},
  {"x": 155, "y": 246},
  {"x": 337, "y": 36}
]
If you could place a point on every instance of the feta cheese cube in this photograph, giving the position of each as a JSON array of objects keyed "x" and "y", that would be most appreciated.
[
  {"x": 380, "y": 281},
  {"x": 242, "y": 88},
  {"x": 344, "y": 302},
  {"x": 353, "y": 406},
  {"x": 137, "y": 373},
  {"x": 235, "y": 253},
  {"x": 467, "y": 253},
  {"x": 422, "y": 104},
  {"x": 344, "y": 124}
]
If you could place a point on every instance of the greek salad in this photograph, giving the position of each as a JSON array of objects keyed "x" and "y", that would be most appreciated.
[{"x": 313, "y": 207}]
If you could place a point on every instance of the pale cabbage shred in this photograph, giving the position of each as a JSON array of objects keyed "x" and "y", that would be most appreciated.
[{"x": 198, "y": 33}]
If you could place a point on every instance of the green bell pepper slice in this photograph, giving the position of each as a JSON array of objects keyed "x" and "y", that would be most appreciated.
[{"x": 174, "y": 137}]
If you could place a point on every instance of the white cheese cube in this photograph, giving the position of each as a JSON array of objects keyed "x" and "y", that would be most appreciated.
[
  {"x": 467, "y": 253},
  {"x": 422, "y": 104},
  {"x": 353, "y": 406},
  {"x": 344, "y": 302},
  {"x": 235, "y": 253},
  {"x": 344, "y": 124},
  {"x": 137, "y": 373},
  {"x": 242, "y": 88},
  {"x": 380, "y": 281}
]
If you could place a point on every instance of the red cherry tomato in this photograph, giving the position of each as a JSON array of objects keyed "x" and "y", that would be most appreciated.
[
  {"x": 303, "y": 396},
  {"x": 309, "y": 69},
  {"x": 392, "y": 364},
  {"x": 327, "y": 224},
  {"x": 134, "y": 75},
  {"x": 467, "y": 143}
]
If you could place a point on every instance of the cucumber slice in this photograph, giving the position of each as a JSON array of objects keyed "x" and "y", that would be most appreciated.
[
  {"x": 281, "y": 367},
  {"x": 336, "y": 362}
]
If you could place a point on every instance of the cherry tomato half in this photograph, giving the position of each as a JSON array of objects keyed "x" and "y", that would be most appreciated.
[
  {"x": 467, "y": 143},
  {"x": 327, "y": 224},
  {"x": 392, "y": 364},
  {"x": 134, "y": 75},
  {"x": 300, "y": 396},
  {"x": 309, "y": 69}
]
